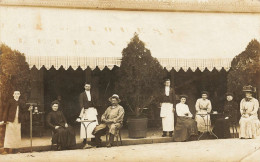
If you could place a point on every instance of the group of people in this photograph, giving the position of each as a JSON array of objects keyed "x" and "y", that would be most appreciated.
[
  {"x": 187, "y": 125},
  {"x": 111, "y": 122}
]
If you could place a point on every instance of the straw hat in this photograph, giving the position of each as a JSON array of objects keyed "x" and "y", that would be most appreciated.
[{"x": 114, "y": 96}]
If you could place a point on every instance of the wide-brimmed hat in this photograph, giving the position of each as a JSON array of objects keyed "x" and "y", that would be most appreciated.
[
  {"x": 183, "y": 96},
  {"x": 114, "y": 96},
  {"x": 229, "y": 94},
  {"x": 248, "y": 88}
]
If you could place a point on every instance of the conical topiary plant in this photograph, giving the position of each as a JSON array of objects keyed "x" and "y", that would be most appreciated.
[{"x": 140, "y": 76}]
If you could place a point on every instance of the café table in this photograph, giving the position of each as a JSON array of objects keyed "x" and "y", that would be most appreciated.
[{"x": 208, "y": 125}]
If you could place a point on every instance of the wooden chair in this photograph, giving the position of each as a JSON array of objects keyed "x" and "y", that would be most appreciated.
[{"x": 117, "y": 135}]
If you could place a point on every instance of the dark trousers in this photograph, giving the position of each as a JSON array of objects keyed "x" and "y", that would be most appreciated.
[{"x": 100, "y": 133}]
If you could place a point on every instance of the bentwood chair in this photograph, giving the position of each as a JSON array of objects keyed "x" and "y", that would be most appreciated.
[{"x": 117, "y": 135}]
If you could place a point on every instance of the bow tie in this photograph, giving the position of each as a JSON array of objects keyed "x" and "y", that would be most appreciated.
[{"x": 248, "y": 99}]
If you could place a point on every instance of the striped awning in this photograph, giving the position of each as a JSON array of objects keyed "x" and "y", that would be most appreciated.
[{"x": 102, "y": 62}]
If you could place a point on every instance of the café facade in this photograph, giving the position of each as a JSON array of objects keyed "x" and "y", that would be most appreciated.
[{"x": 68, "y": 42}]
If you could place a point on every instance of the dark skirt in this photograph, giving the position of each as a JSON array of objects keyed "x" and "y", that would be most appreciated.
[
  {"x": 221, "y": 128},
  {"x": 64, "y": 137},
  {"x": 185, "y": 128}
]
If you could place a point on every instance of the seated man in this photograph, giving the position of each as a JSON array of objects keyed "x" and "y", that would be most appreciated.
[{"x": 111, "y": 120}]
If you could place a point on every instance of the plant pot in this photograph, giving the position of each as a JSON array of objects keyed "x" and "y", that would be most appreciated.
[{"x": 137, "y": 127}]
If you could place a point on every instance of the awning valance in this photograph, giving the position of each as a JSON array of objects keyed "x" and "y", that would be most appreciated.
[{"x": 110, "y": 62}]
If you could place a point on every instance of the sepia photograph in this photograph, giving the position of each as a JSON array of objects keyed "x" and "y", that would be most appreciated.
[{"x": 129, "y": 80}]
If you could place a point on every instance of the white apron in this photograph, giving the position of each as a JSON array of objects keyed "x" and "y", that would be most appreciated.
[
  {"x": 167, "y": 116},
  {"x": 13, "y": 133},
  {"x": 88, "y": 114}
]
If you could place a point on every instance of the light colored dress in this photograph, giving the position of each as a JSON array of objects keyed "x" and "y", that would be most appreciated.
[
  {"x": 249, "y": 123},
  {"x": 13, "y": 133},
  {"x": 203, "y": 107},
  {"x": 88, "y": 114}
]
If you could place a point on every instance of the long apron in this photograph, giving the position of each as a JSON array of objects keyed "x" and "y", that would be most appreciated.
[
  {"x": 13, "y": 133},
  {"x": 167, "y": 116},
  {"x": 89, "y": 114}
]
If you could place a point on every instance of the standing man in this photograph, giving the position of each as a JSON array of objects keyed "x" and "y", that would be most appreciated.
[
  {"x": 112, "y": 121},
  {"x": 167, "y": 100},
  {"x": 12, "y": 117},
  {"x": 87, "y": 100}
]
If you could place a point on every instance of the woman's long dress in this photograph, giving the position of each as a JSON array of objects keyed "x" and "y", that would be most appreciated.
[
  {"x": 65, "y": 137},
  {"x": 186, "y": 126},
  {"x": 203, "y": 107},
  {"x": 222, "y": 125},
  {"x": 88, "y": 114},
  {"x": 249, "y": 122},
  {"x": 13, "y": 133}
]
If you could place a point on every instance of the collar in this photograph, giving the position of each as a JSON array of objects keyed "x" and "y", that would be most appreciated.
[
  {"x": 114, "y": 106},
  {"x": 248, "y": 99}
]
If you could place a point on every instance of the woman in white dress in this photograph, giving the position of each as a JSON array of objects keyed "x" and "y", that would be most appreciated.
[
  {"x": 12, "y": 116},
  {"x": 249, "y": 122},
  {"x": 88, "y": 114},
  {"x": 203, "y": 107}
]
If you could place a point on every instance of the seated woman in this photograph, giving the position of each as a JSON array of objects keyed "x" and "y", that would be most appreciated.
[
  {"x": 186, "y": 126},
  {"x": 249, "y": 122},
  {"x": 222, "y": 125},
  {"x": 203, "y": 107},
  {"x": 64, "y": 135}
]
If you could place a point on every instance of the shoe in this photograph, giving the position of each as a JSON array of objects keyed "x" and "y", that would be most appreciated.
[
  {"x": 109, "y": 145},
  {"x": 170, "y": 135},
  {"x": 164, "y": 134},
  {"x": 87, "y": 146}
]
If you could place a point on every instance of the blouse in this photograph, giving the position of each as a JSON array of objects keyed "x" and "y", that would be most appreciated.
[
  {"x": 203, "y": 106},
  {"x": 249, "y": 107},
  {"x": 182, "y": 110}
]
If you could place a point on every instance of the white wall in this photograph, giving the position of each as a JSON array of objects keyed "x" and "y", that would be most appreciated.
[{"x": 81, "y": 32}]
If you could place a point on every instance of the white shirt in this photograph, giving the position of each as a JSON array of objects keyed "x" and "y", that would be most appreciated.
[
  {"x": 88, "y": 95},
  {"x": 182, "y": 110},
  {"x": 167, "y": 91}
]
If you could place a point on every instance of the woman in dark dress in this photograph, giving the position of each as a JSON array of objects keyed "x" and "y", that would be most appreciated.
[
  {"x": 222, "y": 125},
  {"x": 64, "y": 135},
  {"x": 186, "y": 126}
]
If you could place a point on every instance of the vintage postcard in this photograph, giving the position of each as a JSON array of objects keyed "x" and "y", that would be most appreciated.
[{"x": 130, "y": 80}]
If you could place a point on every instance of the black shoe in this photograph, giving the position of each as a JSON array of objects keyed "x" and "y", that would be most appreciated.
[
  {"x": 164, "y": 134},
  {"x": 170, "y": 135}
]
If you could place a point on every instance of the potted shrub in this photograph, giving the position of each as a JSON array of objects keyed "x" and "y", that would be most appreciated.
[{"x": 139, "y": 82}]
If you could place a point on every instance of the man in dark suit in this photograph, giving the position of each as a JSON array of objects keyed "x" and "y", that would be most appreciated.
[{"x": 87, "y": 99}]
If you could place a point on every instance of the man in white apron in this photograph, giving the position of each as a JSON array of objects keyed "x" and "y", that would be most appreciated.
[
  {"x": 88, "y": 99},
  {"x": 88, "y": 114},
  {"x": 167, "y": 101},
  {"x": 12, "y": 117}
]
